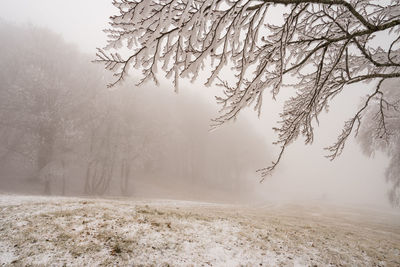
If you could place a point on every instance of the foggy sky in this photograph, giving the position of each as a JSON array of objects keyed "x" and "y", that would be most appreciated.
[
  {"x": 304, "y": 173},
  {"x": 79, "y": 22}
]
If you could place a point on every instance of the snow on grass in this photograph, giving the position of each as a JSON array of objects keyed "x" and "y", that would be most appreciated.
[
  {"x": 87, "y": 232},
  {"x": 6, "y": 254}
]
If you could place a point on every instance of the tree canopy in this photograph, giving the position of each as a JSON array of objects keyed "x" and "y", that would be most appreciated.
[{"x": 320, "y": 47}]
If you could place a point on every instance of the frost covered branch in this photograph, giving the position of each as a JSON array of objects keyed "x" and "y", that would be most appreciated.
[
  {"x": 381, "y": 131},
  {"x": 355, "y": 122},
  {"x": 322, "y": 45}
]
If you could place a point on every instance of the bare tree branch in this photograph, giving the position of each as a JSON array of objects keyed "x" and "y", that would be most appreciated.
[{"x": 324, "y": 45}]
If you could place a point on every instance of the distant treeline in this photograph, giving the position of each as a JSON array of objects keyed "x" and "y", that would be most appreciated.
[{"x": 63, "y": 132}]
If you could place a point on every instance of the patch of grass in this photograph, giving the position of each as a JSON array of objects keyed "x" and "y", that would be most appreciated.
[
  {"x": 86, "y": 249},
  {"x": 63, "y": 237},
  {"x": 116, "y": 249}
]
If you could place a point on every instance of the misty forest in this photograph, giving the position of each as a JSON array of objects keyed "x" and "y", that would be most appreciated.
[{"x": 200, "y": 133}]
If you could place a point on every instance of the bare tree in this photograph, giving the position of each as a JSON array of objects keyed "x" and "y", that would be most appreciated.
[
  {"x": 321, "y": 46},
  {"x": 381, "y": 131},
  {"x": 119, "y": 139},
  {"x": 45, "y": 90}
]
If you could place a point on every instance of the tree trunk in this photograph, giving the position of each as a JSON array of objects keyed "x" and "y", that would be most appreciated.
[{"x": 45, "y": 151}]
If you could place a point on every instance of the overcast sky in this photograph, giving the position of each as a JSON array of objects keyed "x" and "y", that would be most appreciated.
[
  {"x": 304, "y": 172},
  {"x": 79, "y": 21}
]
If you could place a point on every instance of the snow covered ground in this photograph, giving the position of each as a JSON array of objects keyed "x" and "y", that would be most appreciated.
[{"x": 86, "y": 232}]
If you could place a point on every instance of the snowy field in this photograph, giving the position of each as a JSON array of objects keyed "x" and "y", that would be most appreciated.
[{"x": 118, "y": 232}]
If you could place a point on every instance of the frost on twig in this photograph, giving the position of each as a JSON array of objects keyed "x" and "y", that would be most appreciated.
[{"x": 323, "y": 44}]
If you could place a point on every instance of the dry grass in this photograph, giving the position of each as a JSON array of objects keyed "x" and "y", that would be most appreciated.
[{"x": 124, "y": 232}]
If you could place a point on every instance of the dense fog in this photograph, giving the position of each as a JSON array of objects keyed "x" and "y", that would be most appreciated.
[
  {"x": 64, "y": 132},
  {"x": 199, "y": 133}
]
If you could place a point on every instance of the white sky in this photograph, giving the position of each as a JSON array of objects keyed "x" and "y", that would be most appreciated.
[
  {"x": 79, "y": 21},
  {"x": 304, "y": 172}
]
